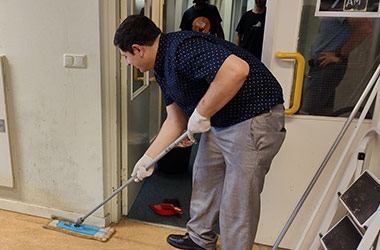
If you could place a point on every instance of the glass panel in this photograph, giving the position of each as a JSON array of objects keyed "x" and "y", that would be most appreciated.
[
  {"x": 335, "y": 75},
  {"x": 139, "y": 84}
]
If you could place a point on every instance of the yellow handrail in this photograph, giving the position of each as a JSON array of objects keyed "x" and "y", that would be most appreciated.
[{"x": 295, "y": 102}]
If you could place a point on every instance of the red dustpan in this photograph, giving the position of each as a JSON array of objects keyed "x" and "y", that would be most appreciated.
[{"x": 166, "y": 209}]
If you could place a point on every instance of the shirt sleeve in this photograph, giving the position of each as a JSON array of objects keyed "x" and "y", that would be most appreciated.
[
  {"x": 239, "y": 27},
  {"x": 185, "y": 21},
  {"x": 200, "y": 59},
  {"x": 216, "y": 14}
]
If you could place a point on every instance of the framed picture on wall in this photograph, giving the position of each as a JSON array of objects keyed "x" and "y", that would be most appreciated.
[{"x": 348, "y": 8}]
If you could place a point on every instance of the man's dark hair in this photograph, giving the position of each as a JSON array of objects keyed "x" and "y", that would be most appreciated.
[
  {"x": 200, "y": 2},
  {"x": 135, "y": 29}
]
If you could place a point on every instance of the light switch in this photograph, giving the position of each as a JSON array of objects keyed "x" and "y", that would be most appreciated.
[
  {"x": 79, "y": 61},
  {"x": 68, "y": 60},
  {"x": 74, "y": 60}
]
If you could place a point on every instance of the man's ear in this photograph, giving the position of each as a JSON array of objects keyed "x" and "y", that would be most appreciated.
[{"x": 138, "y": 48}]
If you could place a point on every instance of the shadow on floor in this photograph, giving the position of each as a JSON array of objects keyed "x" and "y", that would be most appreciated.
[{"x": 155, "y": 190}]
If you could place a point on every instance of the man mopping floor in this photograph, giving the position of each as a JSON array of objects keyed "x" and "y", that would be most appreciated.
[{"x": 213, "y": 87}]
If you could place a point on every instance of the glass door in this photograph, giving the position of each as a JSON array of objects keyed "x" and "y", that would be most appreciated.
[{"x": 140, "y": 108}]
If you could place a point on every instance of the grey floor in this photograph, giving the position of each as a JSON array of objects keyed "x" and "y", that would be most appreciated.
[{"x": 164, "y": 185}]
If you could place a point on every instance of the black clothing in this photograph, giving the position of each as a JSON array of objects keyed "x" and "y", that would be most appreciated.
[
  {"x": 203, "y": 20},
  {"x": 251, "y": 27}
]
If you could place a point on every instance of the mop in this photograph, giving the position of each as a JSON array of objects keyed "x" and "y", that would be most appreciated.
[
  {"x": 102, "y": 234},
  {"x": 89, "y": 232}
]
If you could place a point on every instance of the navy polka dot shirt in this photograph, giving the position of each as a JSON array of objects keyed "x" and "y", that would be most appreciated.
[{"x": 187, "y": 63}]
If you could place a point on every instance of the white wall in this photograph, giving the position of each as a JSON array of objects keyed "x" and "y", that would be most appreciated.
[{"x": 56, "y": 111}]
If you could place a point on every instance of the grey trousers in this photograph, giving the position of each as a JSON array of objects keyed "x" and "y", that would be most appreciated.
[{"x": 228, "y": 177}]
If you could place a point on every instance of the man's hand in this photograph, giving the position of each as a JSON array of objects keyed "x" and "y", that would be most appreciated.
[
  {"x": 197, "y": 124},
  {"x": 139, "y": 170},
  {"x": 327, "y": 58}
]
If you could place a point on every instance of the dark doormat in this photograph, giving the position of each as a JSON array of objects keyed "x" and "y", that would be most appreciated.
[{"x": 158, "y": 188}]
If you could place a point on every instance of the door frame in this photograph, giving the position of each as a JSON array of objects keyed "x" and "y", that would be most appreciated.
[{"x": 110, "y": 81}]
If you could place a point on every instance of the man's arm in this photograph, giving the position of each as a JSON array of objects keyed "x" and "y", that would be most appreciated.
[
  {"x": 219, "y": 31},
  {"x": 237, "y": 39},
  {"x": 185, "y": 23},
  {"x": 169, "y": 132},
  {"x": 227, "y": 82},
  {"x": 173, "y": 126},
  {"x": 362, "y": 28}
]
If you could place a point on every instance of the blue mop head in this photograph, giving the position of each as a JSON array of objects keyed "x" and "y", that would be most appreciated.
[{"x": 84, "y": 231}]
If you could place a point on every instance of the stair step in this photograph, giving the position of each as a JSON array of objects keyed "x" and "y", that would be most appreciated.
[
  {"x": 362, "y": 198},
  {"x": 343, "y": 236}
]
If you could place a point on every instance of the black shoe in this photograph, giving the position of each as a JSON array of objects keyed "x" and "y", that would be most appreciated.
[{"x": 182, "y": 242}]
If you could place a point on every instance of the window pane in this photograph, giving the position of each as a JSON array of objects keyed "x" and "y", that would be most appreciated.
[{"x": 336, "y": 72}]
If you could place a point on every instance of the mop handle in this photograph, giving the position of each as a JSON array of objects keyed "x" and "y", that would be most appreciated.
[{"x": 150, "y": 164}]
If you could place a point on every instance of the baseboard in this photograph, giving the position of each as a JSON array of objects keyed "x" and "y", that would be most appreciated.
[{"x": 47, "y": 212}]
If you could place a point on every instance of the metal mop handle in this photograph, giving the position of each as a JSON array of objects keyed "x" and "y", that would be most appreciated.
[{"x": 150, "y": 164}]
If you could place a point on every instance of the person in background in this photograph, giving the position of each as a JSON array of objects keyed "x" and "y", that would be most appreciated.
[
  {"x": 337, "y": 37},
  {"x": 213, "y": 87},
  {"x": 250, "y": 29},
  {"x": 202, "y": 17}
]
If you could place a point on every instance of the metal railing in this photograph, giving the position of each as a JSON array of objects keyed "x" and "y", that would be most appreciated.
[{"x": 371, "y": 90}]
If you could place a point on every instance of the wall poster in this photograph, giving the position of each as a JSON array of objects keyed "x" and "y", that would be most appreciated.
[{"x": 348, "y": 8}]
